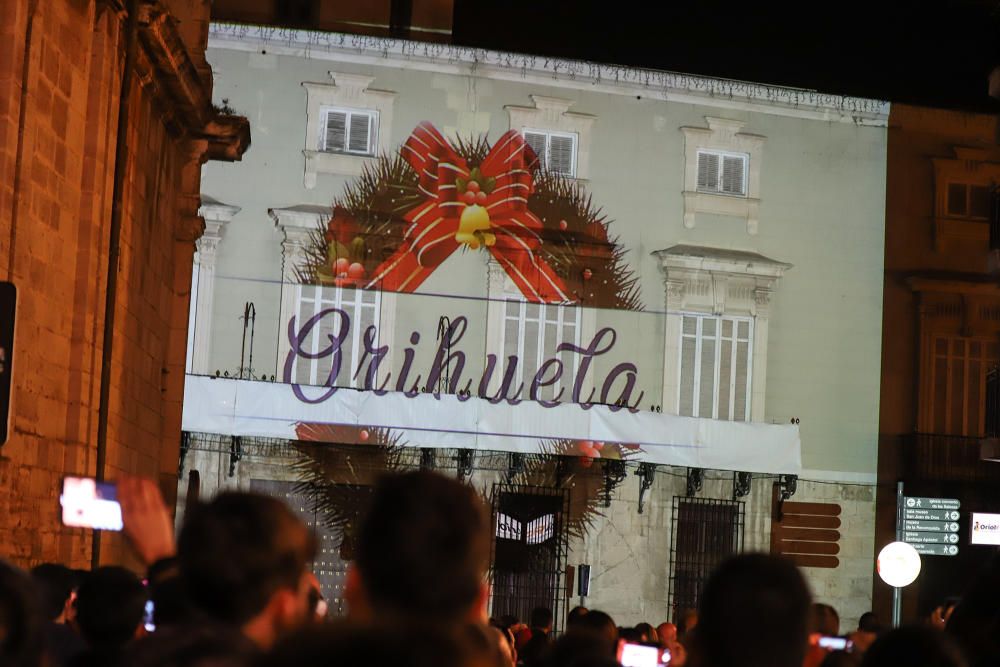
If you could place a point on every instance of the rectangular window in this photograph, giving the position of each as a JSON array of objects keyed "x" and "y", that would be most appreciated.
[
  {"x": 508, "y": 528},
  {"x": 958, "y": 383},
  {"x": 715, "y": 367},
  {"x": 350, "y": 131},
  {"x": 532, "y": 332},
  {"x": 722, "y": 173},
  {"x": 556, "y": 150},
  {"x": 705, "y": 532},
  {"x": 968, "y": 201},
  {"x": 361, "y": 306}
]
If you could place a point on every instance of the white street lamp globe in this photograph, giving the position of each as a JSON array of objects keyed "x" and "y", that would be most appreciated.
[{"x": 898, "y": 564}]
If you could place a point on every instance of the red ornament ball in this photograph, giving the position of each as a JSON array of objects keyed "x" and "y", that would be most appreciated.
[
  {"x": 356, "y": 271},
  {"x": 563, "y": 225},
  {"x": 480, "y": 197},
  {"x": 341, "y": 266},
  {"x": 469, "y": 197},
  {"x": 363, "y": 436},
  {"x": 472, "y": 186},
  {"x": 587, "y": 274}
]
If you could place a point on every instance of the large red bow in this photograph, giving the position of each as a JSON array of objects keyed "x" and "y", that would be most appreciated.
[{"x": 485, "y": 206}]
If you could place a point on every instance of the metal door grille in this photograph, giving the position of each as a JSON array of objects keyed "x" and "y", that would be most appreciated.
[
  {"x": 530, "y": 541},
  {"x": 330, "y": 566},
  {"x": 705, "y": 532}
]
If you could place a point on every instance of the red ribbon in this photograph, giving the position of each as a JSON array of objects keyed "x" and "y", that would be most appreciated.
[{"x": 436, "y": 228}]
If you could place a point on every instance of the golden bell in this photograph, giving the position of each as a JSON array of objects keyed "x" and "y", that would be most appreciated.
[{"x": 473, "y": 227}]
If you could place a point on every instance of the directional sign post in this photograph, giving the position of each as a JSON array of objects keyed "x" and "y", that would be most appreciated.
[{"x": 930, "y": 526}]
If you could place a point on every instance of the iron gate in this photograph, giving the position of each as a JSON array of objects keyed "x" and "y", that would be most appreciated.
[
  {"x": 530, "y": 541},
  {"x": 705, "y": 532}
]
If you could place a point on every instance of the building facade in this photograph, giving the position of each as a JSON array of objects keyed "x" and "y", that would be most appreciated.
[
  {"x": 62, "y": 124},
  {"x": 640, "y": 310},
  {"x": 939, "y": 331}
]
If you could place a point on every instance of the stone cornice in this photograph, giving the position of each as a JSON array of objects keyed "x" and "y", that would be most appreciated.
[
  {"x": 550, "y": 72},
  {"x": 182, "y": 96},
  {"x": 715, "y": 260}
]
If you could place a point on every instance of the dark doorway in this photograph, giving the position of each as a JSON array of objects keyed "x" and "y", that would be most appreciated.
[
  {"x": 705, "y": 532},
  {"x": 529, "y": 551},
  {"x": 334, "y": 548}
]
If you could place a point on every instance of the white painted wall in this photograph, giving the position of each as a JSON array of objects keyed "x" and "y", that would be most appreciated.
[{"x": 821, "y": 209}]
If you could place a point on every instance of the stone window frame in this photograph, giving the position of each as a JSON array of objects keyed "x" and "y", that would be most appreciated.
[
  {"x": 724, "y": 136},
  {"x": 552, "y": 114},
  {"x": 348, "y": 92},
  {"x": 297, "y": 225},
  {"x": 969, "y": 167},
  {"x": 711, "y": 281}
]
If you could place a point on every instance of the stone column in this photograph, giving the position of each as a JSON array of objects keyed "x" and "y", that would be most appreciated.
[
  {"x": 673, "y": 304},
  {"x": 758, "y": 381},
  {"x": 216, "y": 215},
  {"x": 296, "y": 224}
]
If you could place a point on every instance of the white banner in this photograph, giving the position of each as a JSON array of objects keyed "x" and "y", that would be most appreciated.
[{"x": 249, "y": 408}]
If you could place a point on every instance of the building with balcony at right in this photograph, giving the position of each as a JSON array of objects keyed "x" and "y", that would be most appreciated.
[{"x": 941, "y": 333}]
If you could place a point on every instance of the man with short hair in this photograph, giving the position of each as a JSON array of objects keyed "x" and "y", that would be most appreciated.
[
  {"x": 21, "y": 619},
  {"x": 242, "y": 560},
  {"x": 57, "y": 586},
  {"x": 754, "y": 612},
  {"x": 422, "y": 553},
  {"x": 109, "y": 609},
  {"x": 245, "y": 561},
  {"x": 541, "y": 637}
]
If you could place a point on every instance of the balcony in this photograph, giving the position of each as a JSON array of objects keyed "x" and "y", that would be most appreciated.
[{"x": 933, "y": 457}]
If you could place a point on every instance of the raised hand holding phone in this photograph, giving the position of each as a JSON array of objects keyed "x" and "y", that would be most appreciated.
[
  {"x": 87, "y": 503},
  {"x": 147, "y": 522}
]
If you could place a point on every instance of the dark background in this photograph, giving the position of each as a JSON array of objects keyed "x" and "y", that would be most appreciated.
[{"x": 931, "y": 53}]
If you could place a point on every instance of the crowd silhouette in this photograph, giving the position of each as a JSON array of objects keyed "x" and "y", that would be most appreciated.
[{"x": 234, "y": 589}]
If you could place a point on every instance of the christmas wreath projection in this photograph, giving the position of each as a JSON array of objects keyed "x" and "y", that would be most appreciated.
[
  {"x": 405, "y": 215},
  {"x": 401, "y": 219}
]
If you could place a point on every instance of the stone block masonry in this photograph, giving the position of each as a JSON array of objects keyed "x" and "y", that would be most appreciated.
[{"x": 60, "y": 80}]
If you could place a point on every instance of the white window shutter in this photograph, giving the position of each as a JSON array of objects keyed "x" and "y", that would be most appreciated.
[
  {"x": 537, "y": 142},
  {"x": 561, "y": 155},
  {"x": 360, "y": 136},
  {"x": 733, "y": 168},
  {"x": 533, "y": 331},
  {"x": 336, "y": 131},
  {"x": 708, "y": 171}
]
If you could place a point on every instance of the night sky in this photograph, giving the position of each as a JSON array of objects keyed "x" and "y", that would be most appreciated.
[{"x": 932, "y": 53}]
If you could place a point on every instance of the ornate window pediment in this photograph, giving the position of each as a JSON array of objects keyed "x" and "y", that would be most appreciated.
[
  {"x": 718, "y": 307},
  {"x": 722, "y": 171},
  {"x": 347, "y": 125}
]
